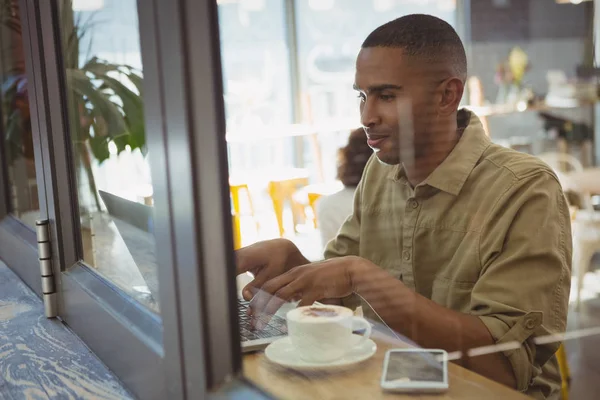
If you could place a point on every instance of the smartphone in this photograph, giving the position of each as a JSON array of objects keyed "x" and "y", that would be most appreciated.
[{"x": 415, "y": 370}]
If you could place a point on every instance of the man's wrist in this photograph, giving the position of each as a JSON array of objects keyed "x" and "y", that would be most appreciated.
[
  {"x": 378, "y": 287},
  {"x": 358, "y": 269}
]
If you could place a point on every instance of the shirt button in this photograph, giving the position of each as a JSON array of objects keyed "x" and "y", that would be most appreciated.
[
  {"x": 413, "y": 203},
  {"x": 530, "y": 324},
  {"x": 406, "y": 255}
]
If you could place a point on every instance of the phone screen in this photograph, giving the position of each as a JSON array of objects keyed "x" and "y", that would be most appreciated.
[{"x": 422, "y": 366}]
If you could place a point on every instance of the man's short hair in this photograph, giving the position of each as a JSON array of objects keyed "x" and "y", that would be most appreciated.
[{"x": 425, "y": 36}]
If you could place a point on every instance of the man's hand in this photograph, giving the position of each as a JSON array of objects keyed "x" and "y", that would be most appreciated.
[
  {"x": 267, "y": 260},
  {"x": 330, "y": 279}
]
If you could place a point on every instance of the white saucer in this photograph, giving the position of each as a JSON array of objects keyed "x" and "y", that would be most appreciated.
[{"x": 281, "y": 352}]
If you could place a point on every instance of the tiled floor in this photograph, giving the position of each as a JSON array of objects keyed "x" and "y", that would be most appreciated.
[{"x": 41, "y": 358}]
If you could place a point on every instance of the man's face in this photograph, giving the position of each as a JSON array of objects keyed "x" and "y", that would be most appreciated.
[{"x": 398, "y": 104}]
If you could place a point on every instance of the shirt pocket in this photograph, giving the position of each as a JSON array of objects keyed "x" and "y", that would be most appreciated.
[{"x": 452, "y": 294}]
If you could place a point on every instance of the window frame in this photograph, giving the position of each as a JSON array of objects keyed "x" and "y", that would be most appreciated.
[
  {"x": 88, "y": 303},
  {"x": 193, "y": 111},
  {"x": 18, "y": 243},
  {"x": 157, "y": 357}
]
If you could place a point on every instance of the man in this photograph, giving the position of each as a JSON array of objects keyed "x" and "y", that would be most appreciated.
[{"x": 454, "y": 242}]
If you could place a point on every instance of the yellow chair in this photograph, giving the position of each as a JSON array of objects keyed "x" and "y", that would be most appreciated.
[
  {"x": 565, "y": 373},
  {"x": 281, "y": 188},
  {"x": 235, "y": 189},
  {"x": 237, "y": 234},
  {"x": 310, "y": 194}
]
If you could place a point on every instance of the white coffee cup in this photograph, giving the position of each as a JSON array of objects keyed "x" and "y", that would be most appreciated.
[{"x": 323, "y": 333}]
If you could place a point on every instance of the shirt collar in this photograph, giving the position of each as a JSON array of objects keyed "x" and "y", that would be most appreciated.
[{"x": 452, "y": 173}]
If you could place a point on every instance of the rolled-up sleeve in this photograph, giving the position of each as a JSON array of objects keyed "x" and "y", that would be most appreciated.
[{"x": 523, "y": 290}]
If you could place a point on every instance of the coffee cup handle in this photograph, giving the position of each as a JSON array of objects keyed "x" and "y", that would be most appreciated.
[{"x": 367, "y": 332}]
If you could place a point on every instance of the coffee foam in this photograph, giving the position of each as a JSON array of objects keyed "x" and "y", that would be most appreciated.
[{"x": 318, "y": 313}]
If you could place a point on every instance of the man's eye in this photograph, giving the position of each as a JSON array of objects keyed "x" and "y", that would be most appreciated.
[
  {"x": 387, "y": 97},
  {"x": 362, "y": 97}
]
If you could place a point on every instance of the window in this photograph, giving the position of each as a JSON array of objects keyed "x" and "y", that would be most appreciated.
[
  {"x": 329, "y": 36},
  {"x": 257, "y": 84},
  {"x": 18, "y": 136},
  {"x": 138, "y": 110},
  {"x": 104, "y": 75},
  {"x": 391, "y": 218},
  {"x": 255, "y": 63}
]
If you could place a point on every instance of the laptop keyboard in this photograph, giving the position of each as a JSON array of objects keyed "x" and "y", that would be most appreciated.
[{"x": 275, "y": 327}]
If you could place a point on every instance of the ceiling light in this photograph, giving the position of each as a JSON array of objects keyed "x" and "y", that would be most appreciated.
[
  {"x": 321, "y": 5},
  {"x": 446, "y": 5},
  {"x": 383, "y": 5},
  {"x": 87, "y": 5},
  {"x": 252, "y": 5},
  {"x": 571, "y": 1}
]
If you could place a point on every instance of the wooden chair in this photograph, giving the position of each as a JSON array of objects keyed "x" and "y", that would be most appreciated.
[
  {"x": 565, "y": 373},
  {"x": 585, "y": 222},
  {"x": 281, "y": 188},
  {"x": 309, "y": 195},
  {"x": 235, "y": 189}
]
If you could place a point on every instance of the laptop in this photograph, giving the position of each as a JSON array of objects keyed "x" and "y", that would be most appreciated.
[{"x": 135, "y": 223}]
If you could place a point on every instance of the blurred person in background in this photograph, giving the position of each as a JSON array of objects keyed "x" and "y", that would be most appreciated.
[
  {"x": 454, "y": 242},
  {"x": 334, "y": 209}
]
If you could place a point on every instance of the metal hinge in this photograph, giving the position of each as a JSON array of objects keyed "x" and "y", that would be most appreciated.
[{"x": 45, "y": 256}]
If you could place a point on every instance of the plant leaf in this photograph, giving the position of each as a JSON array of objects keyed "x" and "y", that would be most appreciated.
[
  {"x": 133, "y": 110},
  {"x": 137, "y": 80},
  {"x": 14, "y": 135},
  {"x": 99, "y": 146},
  {"x": 101, "y": 104},
  {"x": 98, "y": 67},
  {"x": 121, "y": 142}
]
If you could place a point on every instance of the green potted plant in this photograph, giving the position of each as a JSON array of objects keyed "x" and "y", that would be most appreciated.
[{"x": 104, "y": 100}]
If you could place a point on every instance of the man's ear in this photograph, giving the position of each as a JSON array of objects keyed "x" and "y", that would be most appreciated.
[{"x": 451, "y": 93}]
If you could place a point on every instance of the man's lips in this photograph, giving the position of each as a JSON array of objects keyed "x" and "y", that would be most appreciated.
[{"x": 374, "y": 141}]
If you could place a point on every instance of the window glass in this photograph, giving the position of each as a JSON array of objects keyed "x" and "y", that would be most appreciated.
[
  {"x": 258, "y": 105},
  {"x": 255, "y": 63},
  {"x": 16, "y": 123},
  {"x": 104, "y": 73},
  {"x": 474, "y": 227},
  {"x": 329, "y": 36}
]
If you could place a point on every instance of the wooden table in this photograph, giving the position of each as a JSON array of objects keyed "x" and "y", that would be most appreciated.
[{"x": 362, "y": 381}]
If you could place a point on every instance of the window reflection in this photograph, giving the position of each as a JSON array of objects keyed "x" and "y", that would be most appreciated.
[
  {"x": 528, "y": 108},
  {"x": 17, "y": 135},
  {"x": 106, "y": 117},
  {"x": 329, "y": 36}
]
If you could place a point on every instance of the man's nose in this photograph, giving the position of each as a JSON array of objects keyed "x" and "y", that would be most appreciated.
[{"x": 369, "y": 116}]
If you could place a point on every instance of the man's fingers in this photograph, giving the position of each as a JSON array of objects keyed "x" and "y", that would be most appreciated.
[
  {"x": 263, "y": 275},
  {"x": 270, "y": 298},
  {"x": 257, "y": 305},
  {"x": 273, "y": 285},
  {"x": 308, "y": 299},
  {"x": 283, "y": 295},
  {"x": 253, "y": 287},
  {"x": 247, "y": 259},
  {"x": 248, "y": 291},
  {"x": 270, "y": 304},
  {"x": 265, "y": 292}
]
